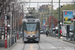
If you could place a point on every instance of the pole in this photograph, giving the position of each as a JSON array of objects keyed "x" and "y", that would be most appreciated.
[
  {"x": 29, "y": 5},
  {"x": 74, "y": 21},
  {"x": 51, "y": 16},
  {"x": 16, "y": 25},
  {"x": 12, "y": 23},
  {"x": 5, "y": 26},
  {"x": 38, "y": 9},
  {"x": 10, "y": 28},
  {"x": 22, "y": 12},
  {"x": 59, "y": 22},
  {"x": 5, "y": 31},
  {"x": 12, "y": 17},
  {"x": 68, "y": 27},
  {"x": 48, "y": 21}
]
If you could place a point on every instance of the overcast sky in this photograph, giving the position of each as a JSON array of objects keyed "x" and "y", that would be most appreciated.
[{"x": 39, "y": 4}]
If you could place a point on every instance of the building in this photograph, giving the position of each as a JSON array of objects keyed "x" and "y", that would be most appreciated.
[
  {"x": 44, "y": 7},
  {"x": 44, "y": 12}
]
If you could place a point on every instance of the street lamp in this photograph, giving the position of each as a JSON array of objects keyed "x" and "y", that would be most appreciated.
[
  {"x": 29, "y": 3},
  {"x": 59, "y": 22},
  {"x": 0, "y": 7},
  {"x": 51, "y": 16},
  {"x": 9, "y": 25}
]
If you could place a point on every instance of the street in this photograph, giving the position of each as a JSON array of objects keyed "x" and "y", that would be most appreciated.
[
  {"x": 46, "y": 43},
  {"x": 26, "y": 20}
]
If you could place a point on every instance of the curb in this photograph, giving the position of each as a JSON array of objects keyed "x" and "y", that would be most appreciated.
[
  {"x": 70, "y": 41},
  {"x": 73, "y": 42}
]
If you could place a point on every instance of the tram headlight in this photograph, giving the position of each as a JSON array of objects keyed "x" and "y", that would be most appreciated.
[
  {"x": 31, "y": 36},
  {"x": 28, "y": 36}
]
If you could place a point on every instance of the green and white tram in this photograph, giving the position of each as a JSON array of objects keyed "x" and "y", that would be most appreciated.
[{"x": 31, "y": 29}]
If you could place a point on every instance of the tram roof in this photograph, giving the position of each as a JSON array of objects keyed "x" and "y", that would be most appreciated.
[{"x": 29, "y": 17}]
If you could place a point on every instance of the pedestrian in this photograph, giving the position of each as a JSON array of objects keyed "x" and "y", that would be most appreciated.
[
  {"x": 47, "y": 32},
  {"x": 56, "y": 32}
]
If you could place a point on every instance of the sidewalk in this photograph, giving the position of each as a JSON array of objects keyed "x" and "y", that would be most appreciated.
[
  {"x": 3, "y": 48},
  {"x": 67, "y": 40},
  {"x": 64, "y": 39}
]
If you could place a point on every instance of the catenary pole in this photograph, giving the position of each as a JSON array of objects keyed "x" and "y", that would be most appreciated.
[
  {"x": 51, "y": 16},
  {"x": 59, "y": 22}
]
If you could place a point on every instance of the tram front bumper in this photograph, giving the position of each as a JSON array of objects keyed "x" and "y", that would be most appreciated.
[{"x": 31, "y": 38}]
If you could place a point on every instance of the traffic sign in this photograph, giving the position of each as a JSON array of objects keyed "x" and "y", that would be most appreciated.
[{"x": 43, "y": 27}]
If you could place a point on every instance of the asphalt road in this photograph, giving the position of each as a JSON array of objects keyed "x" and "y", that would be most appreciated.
[{"x": 46, "y": 43}]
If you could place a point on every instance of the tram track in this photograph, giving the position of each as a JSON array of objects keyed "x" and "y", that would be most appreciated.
[
  {"x": 54, "y": 45},
  {"x": 23, "y": 47},
  {"x": 50, "y": 43},
  {"x": 45, "y": 41},
  {"x": 27, "y": 43},
  {"x": 38, "y": 46}
]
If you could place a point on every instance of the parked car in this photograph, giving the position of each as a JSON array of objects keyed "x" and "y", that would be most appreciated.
[{"x": 41, "y": 31}]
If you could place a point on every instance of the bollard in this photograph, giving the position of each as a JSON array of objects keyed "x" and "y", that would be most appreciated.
[{"x": 5, "y": 43}]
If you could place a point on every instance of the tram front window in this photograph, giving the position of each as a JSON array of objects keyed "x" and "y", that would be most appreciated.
[{"x": 31, "y": 27}]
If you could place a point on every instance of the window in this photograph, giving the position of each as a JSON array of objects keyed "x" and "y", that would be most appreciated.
[{"x": 30, "y": 26}]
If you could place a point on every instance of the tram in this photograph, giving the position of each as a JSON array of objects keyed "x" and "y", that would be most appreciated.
[{"x": 31, "y": 29}]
